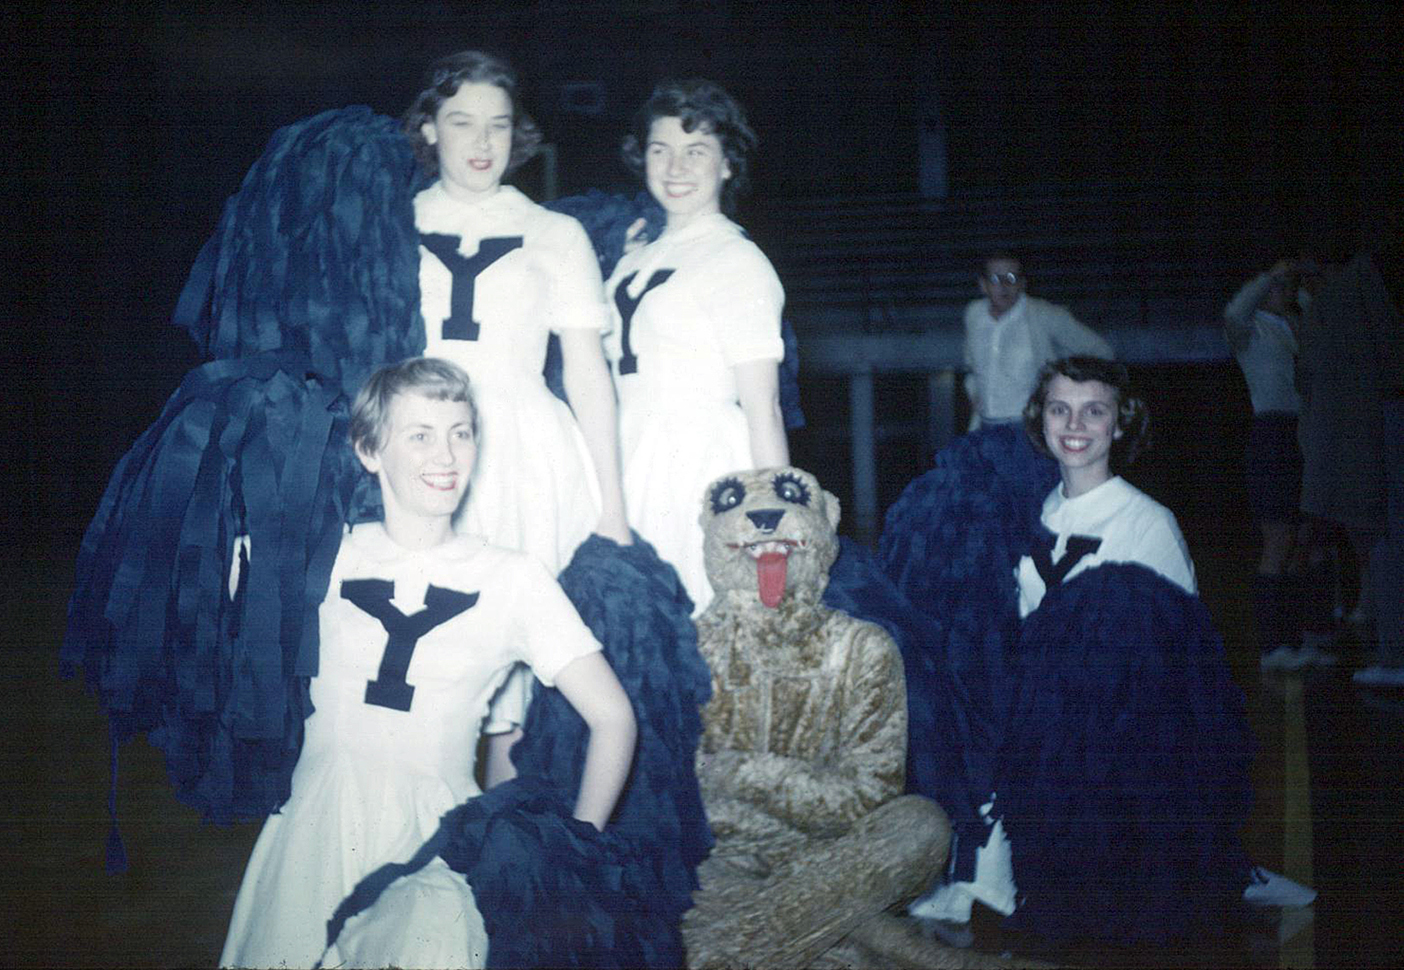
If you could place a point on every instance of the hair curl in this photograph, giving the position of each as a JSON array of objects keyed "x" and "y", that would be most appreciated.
[
  {"x": 442, "y": 81},
  {"x": 1132, "y": 416},
  {"x": 697, "y": 103},
  {"x": 436, "y": 379}
]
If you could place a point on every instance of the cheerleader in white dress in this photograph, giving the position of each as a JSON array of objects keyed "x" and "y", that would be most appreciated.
[
  {"x": 1172, "y": 686},
  {"x": 418, "y": 630},
  {"x": 498, "y": 275},
  {"x": 695, "y": 342}
]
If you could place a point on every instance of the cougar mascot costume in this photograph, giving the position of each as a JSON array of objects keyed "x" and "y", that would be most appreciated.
[{"x": 803, "y": 752}]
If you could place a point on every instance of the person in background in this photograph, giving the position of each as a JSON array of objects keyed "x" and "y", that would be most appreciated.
[
  {"x": 1291, "y": 601},
  {"x": 696, "y": 342},
  {"x": 1009, "y": 335},
  {"x": 1351, "y": 375}
]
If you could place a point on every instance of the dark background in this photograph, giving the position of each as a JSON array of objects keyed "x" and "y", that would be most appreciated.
[{"x": 134, "y": 122}]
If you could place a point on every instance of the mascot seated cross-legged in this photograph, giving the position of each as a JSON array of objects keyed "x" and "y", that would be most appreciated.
[{"x": 802, "y": 760}]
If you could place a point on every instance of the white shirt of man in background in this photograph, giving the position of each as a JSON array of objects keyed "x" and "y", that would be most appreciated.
[{"x": 1009, "y": 336}]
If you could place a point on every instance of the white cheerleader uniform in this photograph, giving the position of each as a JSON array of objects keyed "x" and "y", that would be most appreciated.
[
  {"x": 496, "y": 278},
  {"x": 413, "y": 646},
  {"x": 519, "y": 273},
  {"x": 688, "y": 308},
  {"x": 1127, "y": 526}
]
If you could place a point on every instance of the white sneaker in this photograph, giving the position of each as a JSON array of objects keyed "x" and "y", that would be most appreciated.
[
  {"x": 1379, "y": 674},
  {"x": 948, "y": 902},
  {"x": 1268, "y": 888},
  {"x": 1292, "y": 659}
]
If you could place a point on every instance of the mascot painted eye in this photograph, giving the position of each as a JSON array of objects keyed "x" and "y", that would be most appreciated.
[
  {"x": 791, "y": 489},
  {"x": 727, "y": 494}
]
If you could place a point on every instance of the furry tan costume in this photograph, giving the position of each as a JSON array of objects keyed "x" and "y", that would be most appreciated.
[{"x": 803, "y": 752}]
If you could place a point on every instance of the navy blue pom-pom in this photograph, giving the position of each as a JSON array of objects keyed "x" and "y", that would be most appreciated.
[
  {"x": 251, "y": 447},
  {"x": 309, "y": 283},
  {"x": 317, "y": 253},
  {"x": 950, "y": 544},
  {"x": 636, "y": 606},
  {"x": 1123, "y": 776}
]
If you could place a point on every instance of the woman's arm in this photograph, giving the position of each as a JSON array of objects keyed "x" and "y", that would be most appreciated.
[
  {"x": 590, "y": 686},
  {"x": 591, "y": 394},
  {"x": 1238, "y": 315},
  {"x": 972, "y": 382},
  {"x": 758, "y": 390}
]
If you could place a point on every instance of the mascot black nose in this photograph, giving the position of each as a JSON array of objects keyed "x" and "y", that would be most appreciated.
[{"x": 766, "y": 519}]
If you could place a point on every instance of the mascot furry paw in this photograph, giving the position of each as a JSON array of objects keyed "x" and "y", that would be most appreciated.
[{"x": 802, "y": 759}]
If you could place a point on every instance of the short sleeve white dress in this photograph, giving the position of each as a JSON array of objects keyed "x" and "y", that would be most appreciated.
[
  {"x": 1129, "y": 526},
  {"x": 496, "y": 278},
  {"x": 413, "y": 646},
  {"x": 687, "y": 308}
]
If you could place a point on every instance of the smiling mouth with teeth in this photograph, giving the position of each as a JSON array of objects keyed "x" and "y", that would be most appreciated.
[{"x": 772, "y": 558}]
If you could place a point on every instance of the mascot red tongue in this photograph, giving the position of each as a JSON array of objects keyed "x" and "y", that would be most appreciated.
[{"x": 770, "y": 577}]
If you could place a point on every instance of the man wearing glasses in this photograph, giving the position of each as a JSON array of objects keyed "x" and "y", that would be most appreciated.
[{"x": 1009, "y": 336}]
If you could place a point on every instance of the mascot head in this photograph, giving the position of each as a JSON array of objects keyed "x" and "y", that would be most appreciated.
[{"x": 769, "y": 536}]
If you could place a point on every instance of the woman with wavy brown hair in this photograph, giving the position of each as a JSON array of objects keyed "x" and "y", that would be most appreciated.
[{"x": 696, "y": 342}]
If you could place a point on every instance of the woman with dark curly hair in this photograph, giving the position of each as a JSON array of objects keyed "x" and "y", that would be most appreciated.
[
  {"x": 1121, "y": 775},
  {"x": 1083, "y": 415},
  {"x": 697, "y": 334},
  {"x": 499, "y": 274}
]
